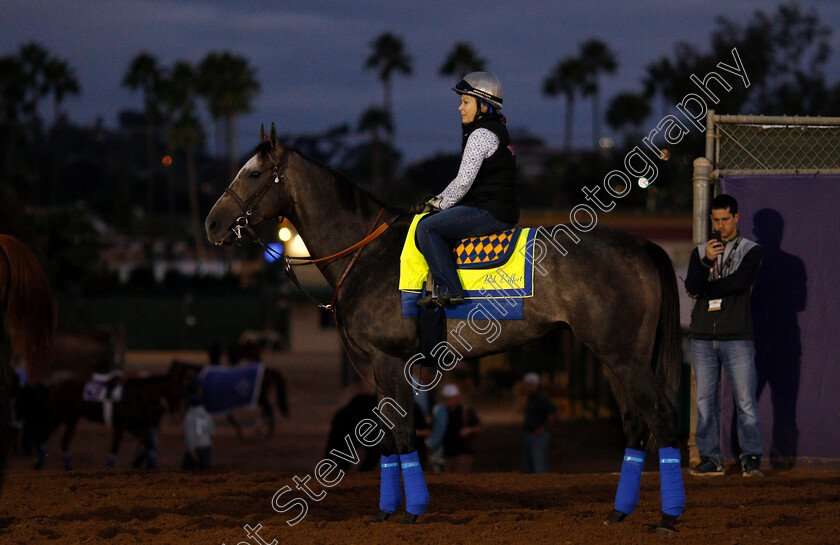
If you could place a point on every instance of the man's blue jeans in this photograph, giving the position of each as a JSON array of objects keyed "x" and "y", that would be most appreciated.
[
  {"x": 437, "y": 231},
  {"x": 536, "y": 453},
  {"x": 737, "y": 359}
]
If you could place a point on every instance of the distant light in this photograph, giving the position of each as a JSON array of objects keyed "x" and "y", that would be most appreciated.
[
  {"x": 665, "y": 155},
  {"x": 298, "y": 248},
  {"x": 167, "y": 160},
  {"x": 284, "y": 234},
  {"x": 643, "y": 182},
  {"x": 606, "y": 142}
]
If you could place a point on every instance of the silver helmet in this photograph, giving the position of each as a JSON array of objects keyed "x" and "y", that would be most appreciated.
[{"x": 482, "y": 85}]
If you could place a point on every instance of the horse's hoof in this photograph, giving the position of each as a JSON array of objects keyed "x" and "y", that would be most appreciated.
[
  {"x": 615, "y": 517},
  {"x": 666, "y": 527},
  {"x": 408, "y": 518},
  {"x": 380, "y": 516}
]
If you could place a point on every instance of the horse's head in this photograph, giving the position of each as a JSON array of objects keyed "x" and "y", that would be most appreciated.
[{"x": 255, "y": 194}]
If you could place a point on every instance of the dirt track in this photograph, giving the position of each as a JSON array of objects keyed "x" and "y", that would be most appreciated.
[
  {"x": 797, "y": 507},
  {"x": 495, "y": 505}
]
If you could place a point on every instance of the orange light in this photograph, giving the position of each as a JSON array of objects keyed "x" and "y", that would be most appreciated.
[
  {"x": 167, "y": 160},
  {"x": 666, "y": 155}
]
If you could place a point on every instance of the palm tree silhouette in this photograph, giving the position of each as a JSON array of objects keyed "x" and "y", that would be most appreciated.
[
  {"x": 62, "y": 82},
  {"x": 461, "y": 61},
  {"x": 658, "y": 80},
  {"x": 566, "y": 79},
  {"x": 377, "y": 122},
  {"x": 34, "y": 59},
  {"x": 144, "y": 75},
  {"x": 228, "y": 84},
  {"x": 597, "y": 59},
  {"x": 388, "y": 57},
  {"x": 184, "y": 131},
  {"x": 626, "y": 113}
]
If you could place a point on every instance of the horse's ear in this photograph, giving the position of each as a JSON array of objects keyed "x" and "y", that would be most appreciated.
[
  {"x": 263, "y": 137},
  {"x": 273, "y": 136}
]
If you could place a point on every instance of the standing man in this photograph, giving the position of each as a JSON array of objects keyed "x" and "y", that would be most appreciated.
[
  {"x": 540, "y": 411},
  {"x": 452, "y": 440},
  {"x": 721, "y": 275}
]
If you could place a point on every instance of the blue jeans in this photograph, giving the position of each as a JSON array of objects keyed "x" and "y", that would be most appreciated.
[
  {"x": 737, "y": 358},
  {"x": 536, "y": 453},
  {"x": 436, "y": 232}
]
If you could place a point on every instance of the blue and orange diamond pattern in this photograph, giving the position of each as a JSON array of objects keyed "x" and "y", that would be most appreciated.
[{"x": 487, "y": 250}]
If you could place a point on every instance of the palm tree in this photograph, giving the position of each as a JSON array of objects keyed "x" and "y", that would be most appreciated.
[
  {"x": 12, "y": 96},
  {"x": 34, "y": 59},
  {"x": 461, "y": 61},
  {"x": 627, "y": 111},
  {"x": 62, "y": 82},
  {"x": 144, "y": 75},
  {"x": 228, "y": 84},
  {"x": 597, "y": 59},
  {"x": 177, "y": 93},
  {"x": 388, "y": 57},
  {"x": 567, "y": 79},
  {"x": 377, "y": 122},
  {"x": 658, "y": 79}
]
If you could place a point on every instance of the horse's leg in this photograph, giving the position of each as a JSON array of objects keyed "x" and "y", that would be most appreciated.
[
  {"x": 267, "y": 413},
  {"x": 66, "y": 438},
  {"x": 233, "y": 422},
  {"x": 397, "y": 402},
  {"x": 148, "y": 454},
  {"x": 635, "y": 431},
  {"x": 116, "y": 439},
  {"x": 649, "y": 401}
]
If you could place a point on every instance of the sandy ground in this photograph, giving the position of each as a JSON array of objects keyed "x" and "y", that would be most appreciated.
[{"x": 493, "y": 505}]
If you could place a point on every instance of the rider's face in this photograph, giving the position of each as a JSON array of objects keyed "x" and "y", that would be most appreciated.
[{"x": 468, "y": 108}]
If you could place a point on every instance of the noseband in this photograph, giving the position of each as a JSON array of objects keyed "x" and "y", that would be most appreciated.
[{"x": 249, "y": 205}]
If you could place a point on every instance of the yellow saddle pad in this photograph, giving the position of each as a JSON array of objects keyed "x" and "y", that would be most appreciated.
[{"x": 515, "y": 273}]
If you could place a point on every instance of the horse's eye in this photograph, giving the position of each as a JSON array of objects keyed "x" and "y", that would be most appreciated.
[{"x": 255, "y": 174}]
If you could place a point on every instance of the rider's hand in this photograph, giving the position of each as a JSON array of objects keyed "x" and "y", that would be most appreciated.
[{"x": 418, "y": 208}]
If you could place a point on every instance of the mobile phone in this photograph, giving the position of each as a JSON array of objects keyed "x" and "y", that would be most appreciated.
[{"x": 717, "y": 236}]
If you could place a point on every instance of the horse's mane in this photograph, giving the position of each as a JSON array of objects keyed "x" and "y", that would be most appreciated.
[
  {"x": 28, "y": 306},
  {"x": 356, "y": 197}
]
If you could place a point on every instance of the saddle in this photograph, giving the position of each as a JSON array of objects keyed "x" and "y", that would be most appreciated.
[{"x": 107, "y": 389}]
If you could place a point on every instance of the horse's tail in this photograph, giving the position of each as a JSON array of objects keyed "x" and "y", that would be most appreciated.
[
  {"x": 666, "y": 359},
  {"x": 29, "y": 307}
]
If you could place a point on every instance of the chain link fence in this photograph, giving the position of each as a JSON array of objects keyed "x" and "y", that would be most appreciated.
[{"x": 774, "y": 145}]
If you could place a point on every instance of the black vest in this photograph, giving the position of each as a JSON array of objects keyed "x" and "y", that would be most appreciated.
[{"x": 494, "y": 188}]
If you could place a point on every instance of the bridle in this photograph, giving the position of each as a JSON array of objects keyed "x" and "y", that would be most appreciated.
[
  {"x": 242, "y": 223},
  {"x": 251, "y": 203}
]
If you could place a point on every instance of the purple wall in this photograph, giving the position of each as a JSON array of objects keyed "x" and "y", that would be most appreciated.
[{"x": 796, "y": 312}]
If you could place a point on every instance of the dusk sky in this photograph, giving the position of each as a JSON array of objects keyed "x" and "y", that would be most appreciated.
[{"x": 309, "y": 55}]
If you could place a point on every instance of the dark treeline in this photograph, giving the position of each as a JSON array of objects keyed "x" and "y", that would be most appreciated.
[{"x": 64, "y": 186}]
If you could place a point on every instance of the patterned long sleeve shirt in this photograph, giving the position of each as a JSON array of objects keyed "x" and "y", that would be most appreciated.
[{"x": 481, "y": 144}]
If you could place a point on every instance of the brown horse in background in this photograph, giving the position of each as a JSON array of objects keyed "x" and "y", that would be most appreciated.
[{"x": 26, "y": 326}]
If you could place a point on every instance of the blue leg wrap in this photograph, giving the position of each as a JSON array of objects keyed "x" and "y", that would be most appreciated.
[
  {"x": 390, "y": 487},
  {"x": 416, "y": 493},
  {"x": 109, "y": 463},
  {"x": 627, "y": 495},
  {"x": 671, "y": 482}
]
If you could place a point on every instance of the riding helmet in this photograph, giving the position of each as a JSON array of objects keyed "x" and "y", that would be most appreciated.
[{"x": 483, "y": 86}]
